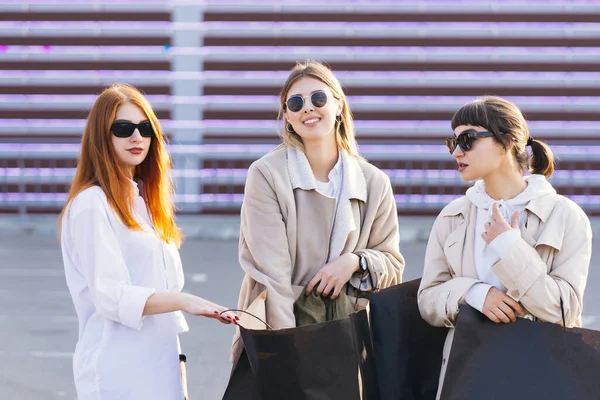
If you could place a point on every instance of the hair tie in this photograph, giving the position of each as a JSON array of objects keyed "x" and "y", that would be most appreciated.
[{"x": 530, "y": 140}]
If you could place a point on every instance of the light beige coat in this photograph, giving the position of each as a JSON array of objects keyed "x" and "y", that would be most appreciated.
[
  {"x": 550, "y": 261},
  {"x": 289, "y": 231}
]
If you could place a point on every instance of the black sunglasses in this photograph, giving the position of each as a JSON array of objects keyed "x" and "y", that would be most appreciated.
[
  {"x": 465, "y": 140},
  {"x": 124, "y": 129},
  {"x": 296, "y": 102}
]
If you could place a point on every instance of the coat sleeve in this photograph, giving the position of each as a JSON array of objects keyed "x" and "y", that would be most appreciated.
[
  {"x": 440, "y": 292},
  {"x": 103, "y": 268},
  {"x": 525, "y": 275},
  {"x": 384, "y": 260},
  {"x": 263, "y": 251}
]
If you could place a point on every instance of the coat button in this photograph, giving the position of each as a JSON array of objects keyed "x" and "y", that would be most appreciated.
[{"x": 515, "y": 293}]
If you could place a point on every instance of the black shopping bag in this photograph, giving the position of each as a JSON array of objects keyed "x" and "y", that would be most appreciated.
[
  {"x": 331, "y": 360},
  {"x": 242, "y": 383},
  {"x": 522, "y": 360},
  {"x": 408, "y": 351}
]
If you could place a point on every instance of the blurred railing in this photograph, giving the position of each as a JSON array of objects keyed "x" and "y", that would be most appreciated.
[
  {"x": 213, "y": 70},
  {"x": 34, "y": 177}
]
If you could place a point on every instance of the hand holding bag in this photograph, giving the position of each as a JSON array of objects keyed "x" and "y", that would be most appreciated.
[{"x": 522, "y": 360}]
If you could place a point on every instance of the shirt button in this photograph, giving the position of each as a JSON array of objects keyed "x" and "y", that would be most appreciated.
[{"x": 515, "y": 293}]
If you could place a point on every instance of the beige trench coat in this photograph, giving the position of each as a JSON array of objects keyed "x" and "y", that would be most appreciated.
[
  {"x": 289, "y": 231},
  {"x": 549, "y": 262}
]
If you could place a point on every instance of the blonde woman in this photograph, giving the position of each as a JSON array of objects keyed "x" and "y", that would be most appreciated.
[{"x": 315, "y": 214}]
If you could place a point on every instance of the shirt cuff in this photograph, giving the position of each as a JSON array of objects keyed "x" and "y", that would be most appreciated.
[
  {"x": 475, "y": 296},
  {"x": 504, "y": 242},
  {"x": 518, "y": 271},
  {"x": 132, "y": 304}
]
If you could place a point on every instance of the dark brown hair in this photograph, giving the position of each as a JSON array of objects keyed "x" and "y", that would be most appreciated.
[{"x": 500, "y": 116}]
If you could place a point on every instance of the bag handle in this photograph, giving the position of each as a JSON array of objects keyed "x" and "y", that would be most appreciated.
[
  {"x": 562, "y": 312},
  {"x": 269, "y": 327}
]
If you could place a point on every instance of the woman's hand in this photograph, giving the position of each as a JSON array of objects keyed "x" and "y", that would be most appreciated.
[
  {"x": 499, "y": 307},
  {"x": 198, "y": 306},
  {"x": 333, "y": 276},
  {"x": 498, "y": 225}
]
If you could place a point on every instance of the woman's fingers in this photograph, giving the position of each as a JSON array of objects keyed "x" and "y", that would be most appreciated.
[
  {"x": 519, "y": 310},
  {"x": 337, "y": 291},
  {"x": 514, "y": 220},
  {"x": 509, "y": 312},
  {"x": 492, "y": 317},
  {"x": 313, "y": 282},
  {"x": 501, "y": 315},
  {"x": 328, "y": 289}
]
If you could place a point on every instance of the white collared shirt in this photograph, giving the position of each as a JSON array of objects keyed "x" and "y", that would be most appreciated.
[
  {"x": 334, "y": 186},
  {"x": 111, "y": 271}
]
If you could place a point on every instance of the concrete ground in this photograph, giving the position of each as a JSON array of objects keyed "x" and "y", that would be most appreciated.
[{"x": 39, "y": 328}]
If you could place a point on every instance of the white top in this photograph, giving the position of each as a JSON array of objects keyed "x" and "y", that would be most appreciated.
[
  {"x": 111, "y": 271},
  {"x": 485, "y": 256},
  {"x": 332, "y": 188}
]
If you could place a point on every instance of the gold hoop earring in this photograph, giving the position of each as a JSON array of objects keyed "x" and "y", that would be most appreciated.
[{"x": 289, "y": 128}]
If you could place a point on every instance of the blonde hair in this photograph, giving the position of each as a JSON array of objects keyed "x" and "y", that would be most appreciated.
[
  {"x": 344, "y": 125},
  {"x": 98, "y": 165}
]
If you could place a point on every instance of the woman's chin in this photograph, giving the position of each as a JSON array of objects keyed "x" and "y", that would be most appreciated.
[{"x": 466, "y": 177}]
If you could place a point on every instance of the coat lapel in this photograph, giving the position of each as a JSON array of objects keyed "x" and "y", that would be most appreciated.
[
  {"x": 468, "y": 257},
  {"x": 459, "y": 244},
  {"x": 453, "y": 247},
  {"x": 354, "y": 186},
  {"x": 540, "y": 210},
  {"x": 301, "y": 176}
]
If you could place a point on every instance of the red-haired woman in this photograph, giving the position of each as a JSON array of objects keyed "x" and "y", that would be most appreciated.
[{"x": 119, "y": 244}]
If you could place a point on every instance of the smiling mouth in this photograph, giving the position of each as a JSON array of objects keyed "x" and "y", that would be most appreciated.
[
  {"x": 462, "y": 166},
  {"x": 311, "y": 121}
]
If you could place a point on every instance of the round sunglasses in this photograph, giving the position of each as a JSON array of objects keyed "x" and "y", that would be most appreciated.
[
  {"x": 465, "y": 140},
  {"x": 296, "y": 102},
  {"x": 124, "y": 129}
]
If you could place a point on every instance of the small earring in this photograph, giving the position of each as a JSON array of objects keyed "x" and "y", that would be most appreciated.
[
  {"x": 289, "y": 128},
  {"x": 338, "y": 119}
]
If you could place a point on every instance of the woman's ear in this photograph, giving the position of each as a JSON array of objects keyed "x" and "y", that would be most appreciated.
[
  {"x": 340, "y": 107},
  {"x": 509, "y": 143}
]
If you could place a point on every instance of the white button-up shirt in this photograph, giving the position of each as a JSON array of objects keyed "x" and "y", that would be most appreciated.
[
  {"x": 111, "y": 271},
  {"x": 334, "y": 186}
]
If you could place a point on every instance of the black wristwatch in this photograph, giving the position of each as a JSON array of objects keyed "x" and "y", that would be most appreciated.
[{"x": 363, "y": 266}]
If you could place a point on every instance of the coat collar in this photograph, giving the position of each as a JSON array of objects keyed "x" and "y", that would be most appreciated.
[
  {"x": 301, "y": 175},
  {"x": 540, "y": 210},
  {"x": 542, "y": 207},
  {"x": 459, "y": 206}
]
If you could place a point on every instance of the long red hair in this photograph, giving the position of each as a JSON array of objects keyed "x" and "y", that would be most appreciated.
[{"x": 98, "y": 165}]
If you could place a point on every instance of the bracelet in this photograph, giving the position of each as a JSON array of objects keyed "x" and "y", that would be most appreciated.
[{"x": 182, "y": 357}]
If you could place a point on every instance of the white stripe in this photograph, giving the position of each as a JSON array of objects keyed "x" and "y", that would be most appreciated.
[
  {"x": 45, "y": 293},
  {"x": 38, "y": 318},
  {"x": 29, "y": 272},
  {"x": 199, "y": 278},
  {"x": 38, "y": 354}
]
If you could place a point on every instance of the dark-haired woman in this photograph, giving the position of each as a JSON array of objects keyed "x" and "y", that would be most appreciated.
[{"x": 512, "y": 247}]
